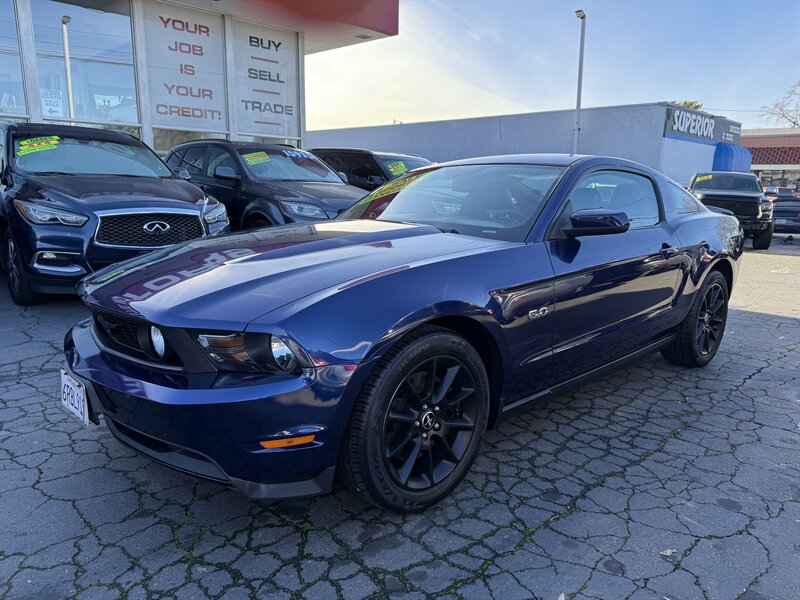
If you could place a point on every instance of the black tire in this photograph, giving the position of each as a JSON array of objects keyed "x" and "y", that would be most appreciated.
[
  {"x": 700, "y": 334},
  {"x": 19, "y": 285},
  {"x": 763, "y": 239},
  {"x": 259, "y": 224},
  {"x": 442, "y": 417}
]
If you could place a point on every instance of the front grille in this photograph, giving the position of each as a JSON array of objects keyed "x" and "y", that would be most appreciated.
[
  {"x": 122, "y": 331},
  {"x": 148, "y": 230},
  {"x": 742, "y": 208}
]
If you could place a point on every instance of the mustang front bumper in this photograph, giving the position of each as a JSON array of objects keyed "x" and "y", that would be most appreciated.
[{"x": 211, "y": 425}]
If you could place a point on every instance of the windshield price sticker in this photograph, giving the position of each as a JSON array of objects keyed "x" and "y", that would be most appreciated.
[
  {"x": 397, "y": 168},
  {"x": 704, "y": 178},
  {"x": 392, "y": 188},
  {"x": 50, "y": 139},
  {"x": 255, "y": 158}
]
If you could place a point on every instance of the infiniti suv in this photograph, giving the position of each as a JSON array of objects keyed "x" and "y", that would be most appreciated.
[{"x": 76, "y": 199}]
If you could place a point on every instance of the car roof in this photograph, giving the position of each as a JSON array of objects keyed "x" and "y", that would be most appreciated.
[
  {"x": 38, "y": 129},
  {"x": 726, "y": 173},
  {"x": 558, "y": 160},
  {"x": 365, "y": 151},
  {"x": 234, "y": 144}
]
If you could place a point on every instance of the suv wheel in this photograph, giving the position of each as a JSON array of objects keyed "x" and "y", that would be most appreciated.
[
  {"x": 19, "y": 285},
  {"x": 418, "y": 422},
  {"x": 763, "y": 239}
]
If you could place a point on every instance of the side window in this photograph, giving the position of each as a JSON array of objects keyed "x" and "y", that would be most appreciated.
[
  {"x": 220, "y": 157},
  {"x": 194, "y": 159},
  {"x": 678, "y": 201},
  {"x": 338, "y": 162},
  {"x": 614, "y": 190},
  {"x": 363, "y": 168},
  {"x": 174, "y": 159}
]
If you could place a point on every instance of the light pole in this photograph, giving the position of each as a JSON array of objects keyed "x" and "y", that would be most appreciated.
[
  {"x": 582, "y": 16},
  {"x": 65, "y": 36}
]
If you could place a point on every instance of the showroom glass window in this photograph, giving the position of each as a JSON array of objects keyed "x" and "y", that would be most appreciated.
[
  {"x": 12, "y": 91},
  {"x": 101, "y": 60}
]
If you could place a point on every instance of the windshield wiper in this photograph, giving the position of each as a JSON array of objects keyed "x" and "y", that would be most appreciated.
[
  {"x": 447, "y": 230},
  {"x": 50, "y": 173}
]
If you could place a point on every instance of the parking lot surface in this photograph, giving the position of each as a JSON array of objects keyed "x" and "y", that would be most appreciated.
[{"x": 656, "y": 482}]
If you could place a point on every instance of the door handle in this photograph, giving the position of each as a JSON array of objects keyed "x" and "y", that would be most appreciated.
[{"x": 668, "y": 251}]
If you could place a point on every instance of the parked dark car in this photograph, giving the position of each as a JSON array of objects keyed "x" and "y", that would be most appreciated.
[
  {"x": 786, "y": 209},
  {"x": 264, "y": 185},
  {"x": 383, "y": 347},
  {"x": 740, "y": 193},
  {"x": 369, "y": 170},
  {"x": 76, "y": 199}
]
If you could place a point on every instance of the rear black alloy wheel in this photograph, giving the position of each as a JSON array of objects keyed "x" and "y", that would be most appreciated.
[
  {"x": 698, "y": 337},
  {"x": 418, "y": 422},
  {"x": 710, "y": 320},
  {"x": 430, "y": 423}
]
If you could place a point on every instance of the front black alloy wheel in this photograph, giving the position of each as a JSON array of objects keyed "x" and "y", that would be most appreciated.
[
  {"x": 699, "y": 336},
  {"x": 417, "y": 423},
  {"x": 430, "y": 423}
]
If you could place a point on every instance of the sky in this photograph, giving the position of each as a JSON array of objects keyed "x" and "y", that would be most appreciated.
[{"x": 455, "y": 58}]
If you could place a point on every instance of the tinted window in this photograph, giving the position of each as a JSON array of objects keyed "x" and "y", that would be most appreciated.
[
  {"x": 194, "y": 160},
  {"x": 737, "y": 182},
  {"x": 492, "y": 201},
  {"x": 174, "y": 159},
  {"x": 338, "y": 162},
  {"x": 615, "y": 190},
  {"x": 362, "y": 169},
  {"x": 270, "y": 164},
  {"x": 58, "y": 154},
  {"x": 678, "y": 201},
  {"x": 220, "y": 158}
]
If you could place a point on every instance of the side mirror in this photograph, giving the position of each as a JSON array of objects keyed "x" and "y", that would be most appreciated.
[
  {"x": 343, "y": 175},
  {"x": 226, "y": 173},
  {"x": 596, "y": 221},
  {"x": 181, "y": 173}
]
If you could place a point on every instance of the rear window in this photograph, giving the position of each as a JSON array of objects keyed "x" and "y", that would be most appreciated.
[
  {"x": 59, "y": 155},
  {"x": 734, "y": 182}
]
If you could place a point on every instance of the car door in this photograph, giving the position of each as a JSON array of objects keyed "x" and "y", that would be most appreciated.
[
  {"x": 612, "y": 293},
  {"x": 227, "y": 191}
]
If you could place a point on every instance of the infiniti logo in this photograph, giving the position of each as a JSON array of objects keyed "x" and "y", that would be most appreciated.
[
  {"x": 156, "y": 228},
  {"x": 427, "y": 420}
]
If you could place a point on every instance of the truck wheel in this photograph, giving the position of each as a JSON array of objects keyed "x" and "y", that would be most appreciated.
[
  {"x": 417, "y": 423},
  {"x": 700, "y": 334},
  {"x": 763, "y": 238},
  {"x": 19, "y": 286}
]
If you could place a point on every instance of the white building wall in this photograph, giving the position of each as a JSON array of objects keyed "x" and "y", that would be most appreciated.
[
  {"x": 634, "y": 132},
  {"x": 681, "y": 159}
]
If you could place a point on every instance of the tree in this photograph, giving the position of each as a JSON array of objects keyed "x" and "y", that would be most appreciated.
[
  {"x": 695, "y": 104},
  {"x": 785, "y": 111}
]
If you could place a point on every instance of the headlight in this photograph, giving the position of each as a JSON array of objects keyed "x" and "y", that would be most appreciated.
[
  {"x": 302, "y": 209},
  {"x": 42, "y": 215},
  {"x": 157, "y": 341},
  {"x": 215, "y": 213},
  {"x": 766, "y": 205},
  {"x": 249, "y": 352}
]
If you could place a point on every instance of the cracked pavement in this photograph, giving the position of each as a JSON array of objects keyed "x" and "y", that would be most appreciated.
[{"x": 655, "y": 482}]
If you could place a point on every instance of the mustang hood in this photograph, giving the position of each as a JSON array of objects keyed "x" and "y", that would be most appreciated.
[
  {"x": 226, "y": 282},
  {"x": 99, "y": 192}
]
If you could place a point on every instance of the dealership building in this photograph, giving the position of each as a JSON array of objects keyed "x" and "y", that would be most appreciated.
[
  {"x": 667, "y": 137},
  {"x": 174, "y": 71}
]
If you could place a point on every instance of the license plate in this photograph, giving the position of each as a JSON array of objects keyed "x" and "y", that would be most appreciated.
[
  {"x": 781, "y": 221},
  {"x": 73, "y": 397}
]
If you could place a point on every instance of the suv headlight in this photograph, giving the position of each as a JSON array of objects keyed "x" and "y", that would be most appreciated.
[
  {"x": 249, "y": 352},
  {"x": 43, "y": 215},
  {"x": 765, "y": 205},
  {"x": 215, "y": 213},
  {"x": 303, "y": 209}
]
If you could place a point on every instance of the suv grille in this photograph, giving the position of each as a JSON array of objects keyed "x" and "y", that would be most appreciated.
[
  {"x": 741, "y": 208},
  {"x": 148, "y": 230}
]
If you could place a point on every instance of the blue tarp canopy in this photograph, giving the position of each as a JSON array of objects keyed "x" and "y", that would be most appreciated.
[{"x": 732, "y": 157}]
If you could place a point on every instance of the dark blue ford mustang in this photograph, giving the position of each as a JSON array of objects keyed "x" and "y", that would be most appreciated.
[{"x": 383, "y": 344}]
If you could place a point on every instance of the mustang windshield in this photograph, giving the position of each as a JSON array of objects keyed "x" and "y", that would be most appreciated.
[
  {"x": 79, "y": 156},
  {"x": 286, "y": 165},
  {"x": 726, "y": 181},
  {"x": 492, "y": 201}
]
